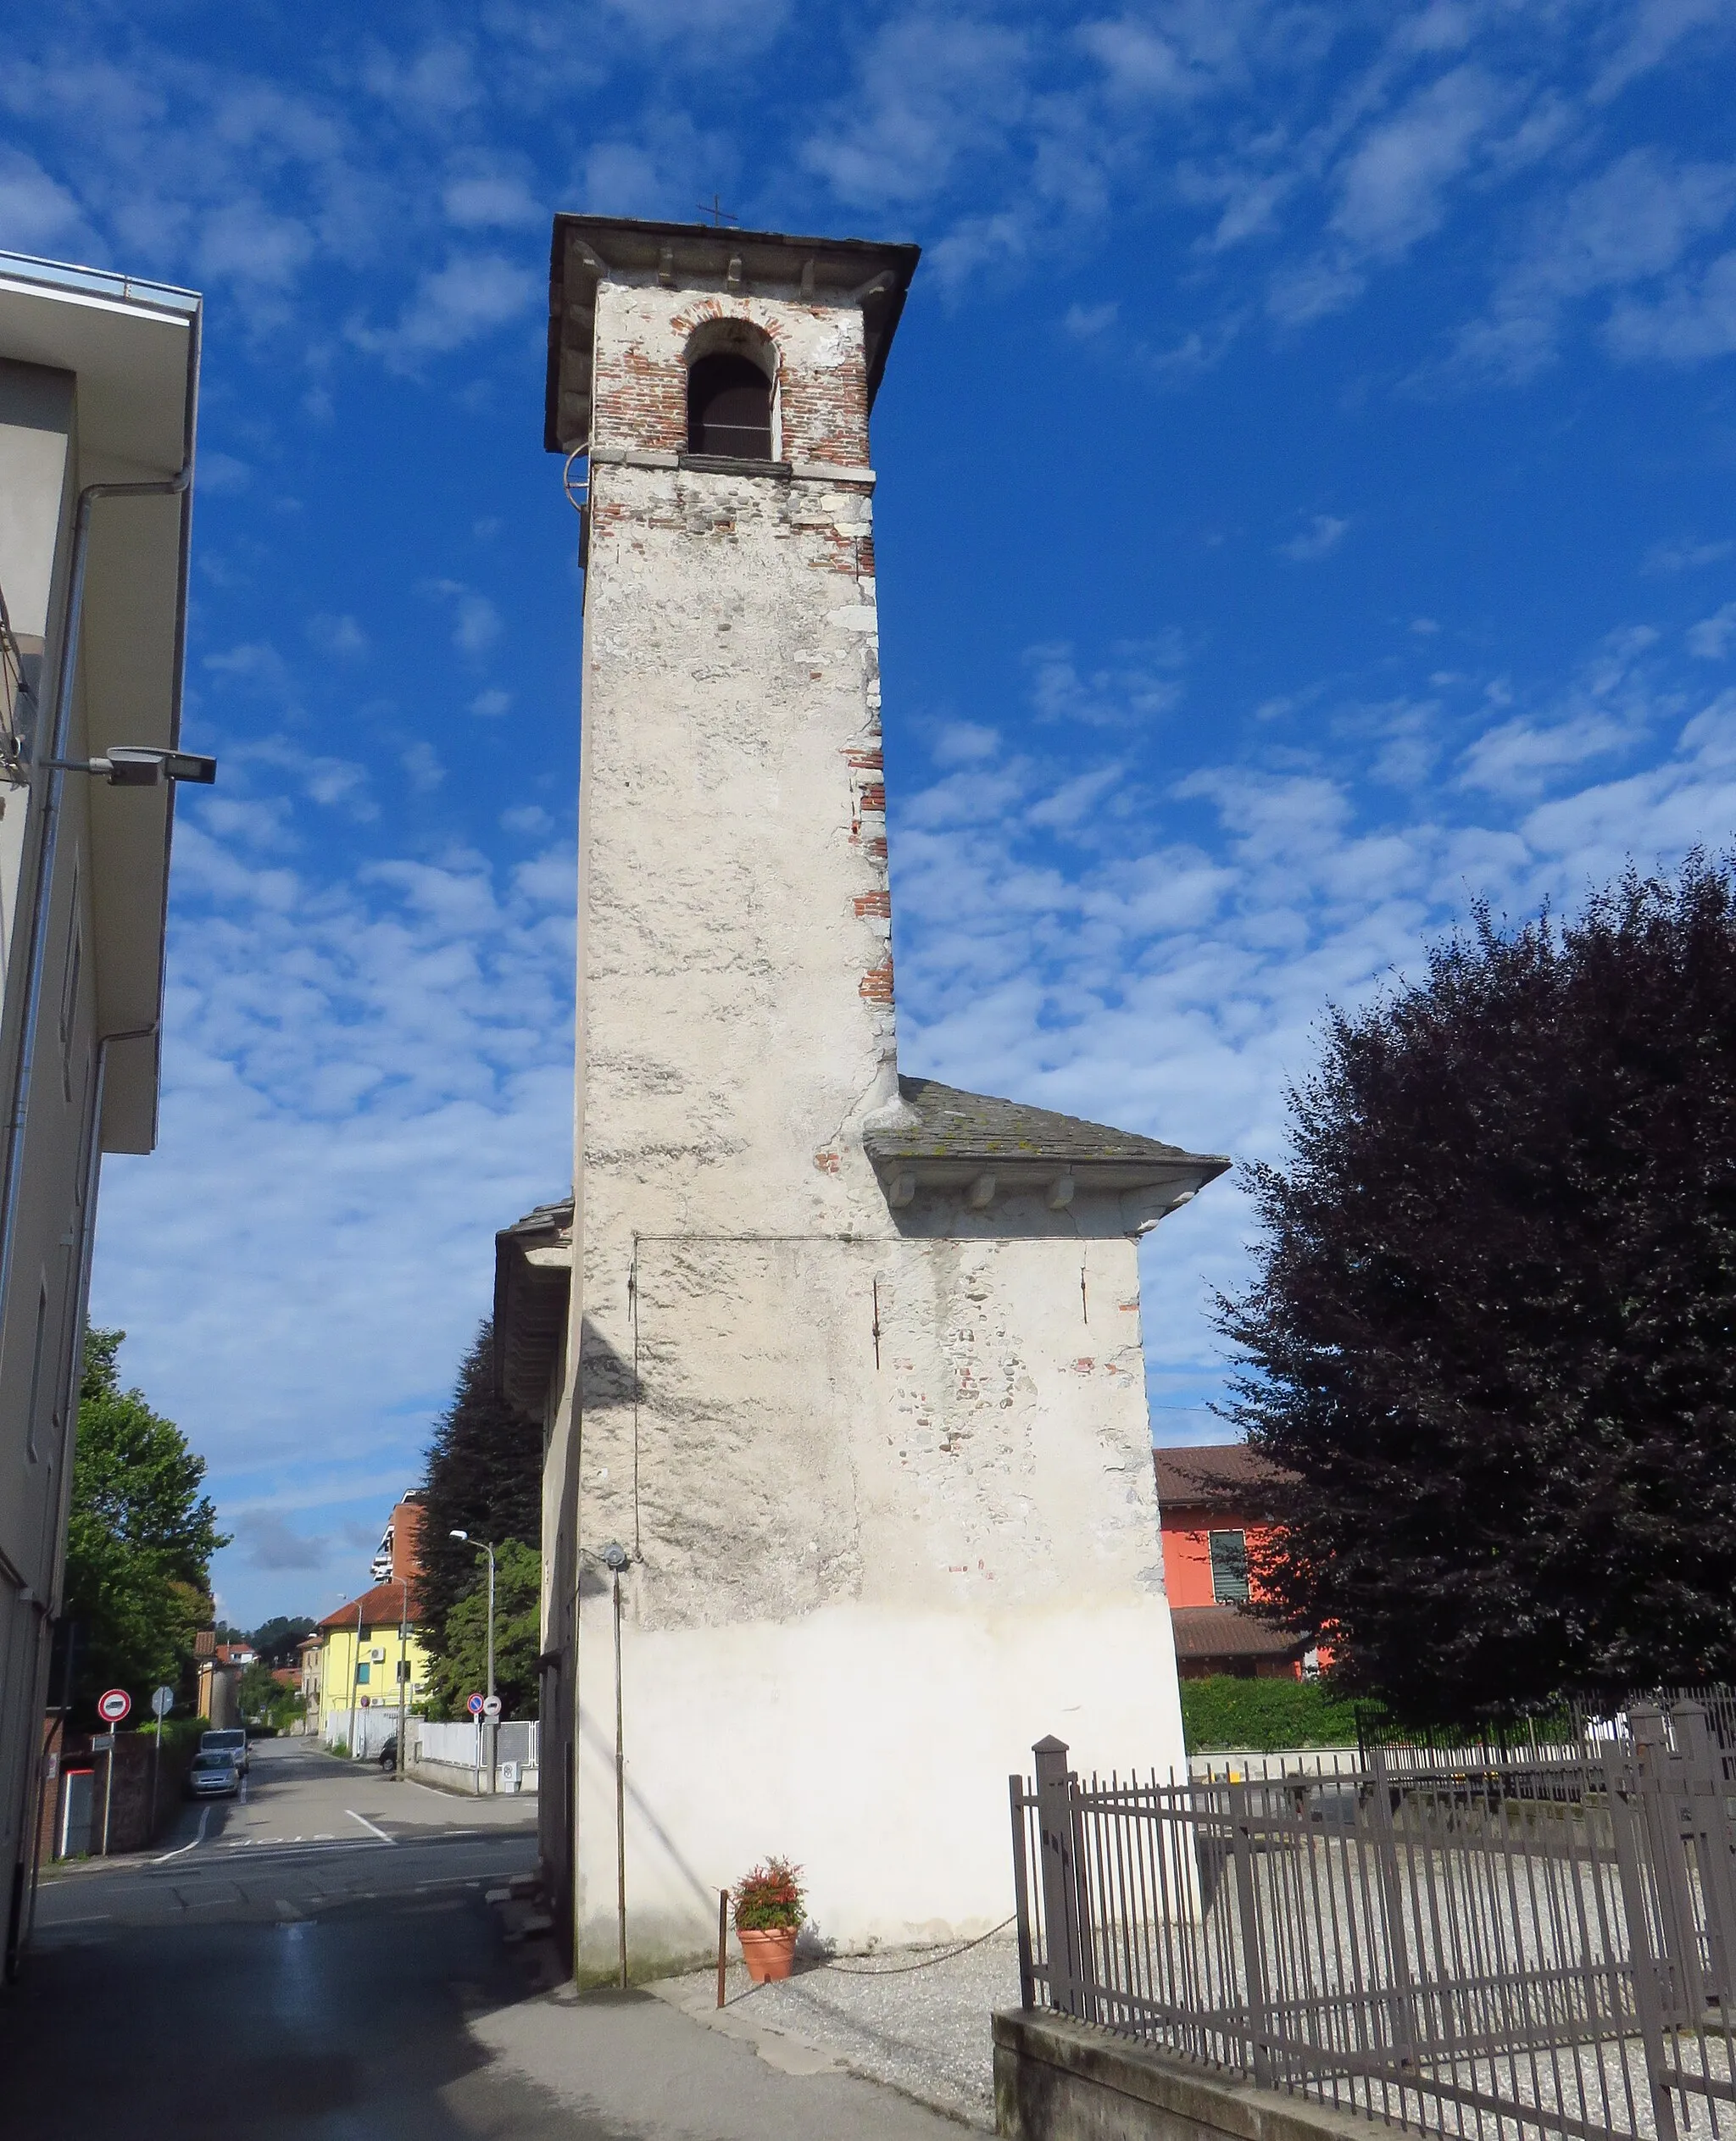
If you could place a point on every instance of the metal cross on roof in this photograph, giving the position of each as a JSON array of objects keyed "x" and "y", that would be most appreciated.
[{"x": 719, "y": 214}]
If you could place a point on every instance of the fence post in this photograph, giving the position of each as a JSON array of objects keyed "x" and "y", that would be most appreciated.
[
  {"x": 1702, "y": 1762},
  {"x": 1066, "y": 1908},
  {"x": 1253, "y": 1945},
  {"x": 1403, "y": 2016},
  {"x": 1648, "y": 2005},
  {"x": 1661, "y": 1796},
  {"x": 1022, "y": 1894}
]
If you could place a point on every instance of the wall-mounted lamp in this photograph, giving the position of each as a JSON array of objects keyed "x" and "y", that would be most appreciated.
[{"x": 142, "y": 765}]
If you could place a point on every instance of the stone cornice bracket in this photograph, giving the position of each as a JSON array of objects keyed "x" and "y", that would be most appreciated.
[
  {"x": 901, "y": 1190},
  {"x": 1060, "y": 1194},
  {"x": 981, "y": 1194}
]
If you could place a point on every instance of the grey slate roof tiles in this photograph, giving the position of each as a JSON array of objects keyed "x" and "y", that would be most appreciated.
[{"x": 952, "y": 1124}]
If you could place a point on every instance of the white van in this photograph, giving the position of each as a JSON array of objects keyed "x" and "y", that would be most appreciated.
[{"x": 232, "y": 1740}]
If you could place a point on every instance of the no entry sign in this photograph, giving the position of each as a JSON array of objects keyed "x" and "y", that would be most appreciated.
[{"x": 113, "y": 1705}]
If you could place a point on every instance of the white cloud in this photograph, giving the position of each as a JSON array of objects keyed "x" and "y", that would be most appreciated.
[
  {"x": 421, "y": 765},
  {"x": 1654, "y": 28},
  {"x": 1629, "y": 224},
  {"x": 489, "y": 705},
  {"x": 1139, "y": 682},
  {"x": 222, "y": 475},
  {"x": 1392, "y": 188},
  {"x": 1086, "y": 322},
  {"x": 1695, "y": 318},
  {"x": 268, "y": 1541},
  {"x": 1174, "y": 986},
  {"x": 932, "y": 91},
  {"x": 1709, "y": 639},
  {"x": 484, "y": 199},
  {"x": 1685, "y": 556},
  {"x": 472, "y": 295},
  {"x": 964, "y": 743},
  {"x": 364, "y": 1076},
  {"x": 340, "y": 636},
  {"x": 37, "y": 215},
  {"x": 1318, "y": 540},
  {"x": 475, "y": 626}
]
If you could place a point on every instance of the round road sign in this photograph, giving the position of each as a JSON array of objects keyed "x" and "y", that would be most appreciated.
[
  {"x": 162, "y": 1702},
  {"x": 475, "y": 1705},
  {"x": 113, "y": 1706},
  {"x": 491, "y": 1710}
]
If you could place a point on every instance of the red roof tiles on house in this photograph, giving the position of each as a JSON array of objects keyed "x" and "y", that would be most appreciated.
[
  {"x": 1211, "y": 1474},
  {"x": 380, "y": 1608}
]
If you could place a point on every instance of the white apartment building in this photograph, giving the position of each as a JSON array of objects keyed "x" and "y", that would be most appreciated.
[{"x": 98, "y": 389}]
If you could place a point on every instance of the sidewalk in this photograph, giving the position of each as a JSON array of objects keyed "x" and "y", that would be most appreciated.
[
  {"x": 917, "y": 2019},
  {"x": 630, "y": 2064}
]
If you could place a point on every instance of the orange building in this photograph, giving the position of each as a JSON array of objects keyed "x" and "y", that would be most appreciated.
[{"x": 1214, "y": 1502}]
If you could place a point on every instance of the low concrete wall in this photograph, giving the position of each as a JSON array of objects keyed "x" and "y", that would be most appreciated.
[
  {"x": 1058, "y": 2080},
  {"x": 448, "y": 1776}
]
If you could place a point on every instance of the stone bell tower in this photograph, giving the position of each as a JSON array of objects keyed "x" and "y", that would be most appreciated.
[{"x": 847, "y": 1442}]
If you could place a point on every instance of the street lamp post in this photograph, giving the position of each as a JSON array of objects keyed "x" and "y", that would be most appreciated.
[
  {"x": 482, "y": 1547},
  {"x": 403, "y": 1676}
]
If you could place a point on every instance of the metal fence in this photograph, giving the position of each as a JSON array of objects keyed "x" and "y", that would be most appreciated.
[{"x": 1486, "y": 1947}]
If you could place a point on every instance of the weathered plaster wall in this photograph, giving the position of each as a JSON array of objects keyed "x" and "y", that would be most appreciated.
[{"x": 862, "y": 1584}]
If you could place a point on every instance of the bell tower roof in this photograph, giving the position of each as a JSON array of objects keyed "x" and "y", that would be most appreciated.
[{"x": 589, "y": 249}]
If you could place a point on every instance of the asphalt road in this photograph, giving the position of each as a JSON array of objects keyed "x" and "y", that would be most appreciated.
[{"x": 318, "y": 1960}]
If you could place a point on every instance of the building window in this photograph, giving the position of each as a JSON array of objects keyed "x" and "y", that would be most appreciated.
[
  {"x": 728, "y": 407},
  {"x": 1229, "y": 1567},
  {"x": 364, "y": 1673}
]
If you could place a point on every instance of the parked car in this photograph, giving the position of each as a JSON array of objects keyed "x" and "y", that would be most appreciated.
[
  {"x": 231, "y": 1740},
  {"x": 216, "y": 1774},
  {"x": 388, "y": 1755}
]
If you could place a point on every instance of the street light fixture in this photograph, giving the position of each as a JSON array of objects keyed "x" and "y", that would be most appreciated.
[
  {"x": 141, "y": 765},
  {"x": 482, "y": 1547}
]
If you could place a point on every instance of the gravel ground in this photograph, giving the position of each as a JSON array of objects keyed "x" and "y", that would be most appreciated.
[{"x": 924, "y": 2031}]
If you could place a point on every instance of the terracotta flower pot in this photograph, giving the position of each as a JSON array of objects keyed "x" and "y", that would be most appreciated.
[{"x": 769, "y": 1951}]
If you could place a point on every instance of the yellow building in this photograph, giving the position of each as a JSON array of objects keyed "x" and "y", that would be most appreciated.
[{"x": 364, "y": 1654}]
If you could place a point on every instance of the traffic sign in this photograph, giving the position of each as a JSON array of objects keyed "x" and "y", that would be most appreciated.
[
  {"x": 113, "y": 1705},
  {"x": 475, "y": 1705},
  {"x": 162, "y": 1702},
  {"x": 491, "y": 1710}
]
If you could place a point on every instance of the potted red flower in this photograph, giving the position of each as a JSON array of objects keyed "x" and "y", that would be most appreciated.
[{"x": 768, "y": 1912}]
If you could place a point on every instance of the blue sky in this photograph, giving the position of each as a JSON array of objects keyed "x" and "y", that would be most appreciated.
[{"x": 1305, "y": 506}]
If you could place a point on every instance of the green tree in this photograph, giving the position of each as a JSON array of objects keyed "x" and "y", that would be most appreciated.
[
  {"x": 461, "y": 1661},
  {"x": 484, "y": 1476},
  {"x": 256, "y": 1692},
  {"x": 140, "y": 1539},
  {"x": 1492, "y": 1338},
  {"x": 276, "y": 1640}
]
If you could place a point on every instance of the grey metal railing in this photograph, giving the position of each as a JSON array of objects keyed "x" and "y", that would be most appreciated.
[{"x": 1494, "y": 1948}]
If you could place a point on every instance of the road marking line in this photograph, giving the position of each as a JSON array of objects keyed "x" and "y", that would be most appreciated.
[
  {"x": 94, "y": 1918},
  {"x": 204, "y": 1821},
  {"x": 369, "y": 1825}
]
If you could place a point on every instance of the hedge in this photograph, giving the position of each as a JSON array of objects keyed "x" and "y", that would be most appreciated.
[{"x": 1221, "y": 1712}]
